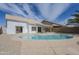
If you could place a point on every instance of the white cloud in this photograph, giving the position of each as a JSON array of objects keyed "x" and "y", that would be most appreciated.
[
  {"x": 31, "y": 14},
  {"x": 52, "y": 11},
  {"x": 56, "y": 10},
  {"x": 13, "y": 8},
  {"x": 45, "y": 9},
  {"x": 49, "y": 11},
  {"x": 17, "y": 9}
]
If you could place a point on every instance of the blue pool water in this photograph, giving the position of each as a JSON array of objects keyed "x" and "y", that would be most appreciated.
[{"x": 48, "y": 37}]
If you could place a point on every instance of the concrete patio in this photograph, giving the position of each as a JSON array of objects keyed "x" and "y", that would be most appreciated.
[{"x": 12, "y": 45}]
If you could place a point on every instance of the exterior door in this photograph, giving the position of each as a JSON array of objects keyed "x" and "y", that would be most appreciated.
[{"x": 39, "y": 29}]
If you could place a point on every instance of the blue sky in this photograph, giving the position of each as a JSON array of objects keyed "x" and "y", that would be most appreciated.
[
  {"x": 57, "y": 12},
  {"x": 2, "y": 18}
]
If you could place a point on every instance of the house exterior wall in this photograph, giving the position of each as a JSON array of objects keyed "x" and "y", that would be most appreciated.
[
  {"x": 30, "y": 29},
  {"x": 27, "y": 28},
  {"x": 11, "y": 27}
]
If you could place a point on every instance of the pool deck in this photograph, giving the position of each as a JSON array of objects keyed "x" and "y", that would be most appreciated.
[{"x": 12, "y": 45}]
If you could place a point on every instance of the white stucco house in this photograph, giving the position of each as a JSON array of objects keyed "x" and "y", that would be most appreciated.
[{"x": 16, "y": 24}]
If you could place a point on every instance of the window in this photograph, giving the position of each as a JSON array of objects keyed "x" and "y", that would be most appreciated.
[
  {"x": 19, "y": 29},
  {"x": 33, "y": 28}
]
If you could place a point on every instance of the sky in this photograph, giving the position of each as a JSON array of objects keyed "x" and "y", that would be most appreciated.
[
  {"x": 2, "y": 18},
  {"x": 53, "y": 12}
]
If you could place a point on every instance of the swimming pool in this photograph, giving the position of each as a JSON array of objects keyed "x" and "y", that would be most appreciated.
[{"x": 47, "y": 37}]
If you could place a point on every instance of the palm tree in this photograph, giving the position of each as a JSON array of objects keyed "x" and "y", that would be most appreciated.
[{"x": 75, "y": 19}]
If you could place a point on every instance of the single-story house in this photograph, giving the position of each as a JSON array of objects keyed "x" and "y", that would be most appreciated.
[{"x": 16, "y": 24}]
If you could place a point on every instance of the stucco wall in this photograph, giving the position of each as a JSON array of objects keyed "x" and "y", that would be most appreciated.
[
  {"x": 30, "y": 29},
  {"x": 11, "y": 27}
]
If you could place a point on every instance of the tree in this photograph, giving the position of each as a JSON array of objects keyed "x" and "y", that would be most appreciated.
[
  {"x": 70, "y": 21},
  {"x": 75, "y": 19}
]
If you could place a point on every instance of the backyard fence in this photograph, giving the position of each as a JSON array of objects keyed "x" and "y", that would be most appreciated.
[{"x": 67, "y": 30}]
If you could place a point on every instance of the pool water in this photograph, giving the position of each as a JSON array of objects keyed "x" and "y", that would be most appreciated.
[{"x": 48, "y": 37}]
